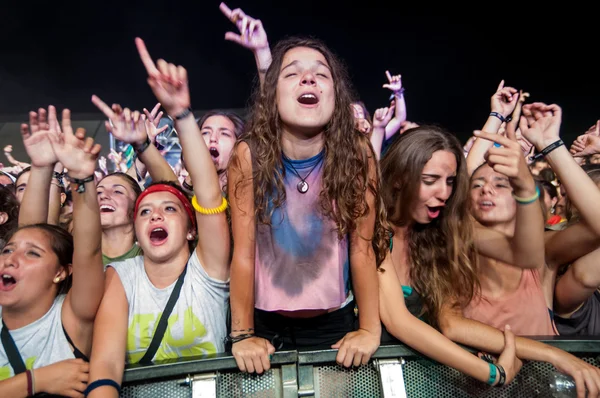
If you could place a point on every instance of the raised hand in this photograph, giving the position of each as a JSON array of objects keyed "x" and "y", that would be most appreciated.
[
  {"x": 382, "y": 116},
  {"x": 406, "y": 125},
  {"x": 152, "y": 121},
  {"x": 252, "y": 34},
  {"x": 8, "y": 149},
  {"x": 125, "y": 125},
  {"x": 504, "y": 100},
  {"x": 540, "y": 124},
  {"x": 508, "y": 159},
  {"x": 36, "y": 135},
  {"x": 102, "y": 164},
  {"x": 76, "y": 152},
  {"x": 394, "y": 82},
  {"x": 587, "y": 144},
  {"x": 168, "y": 82}
]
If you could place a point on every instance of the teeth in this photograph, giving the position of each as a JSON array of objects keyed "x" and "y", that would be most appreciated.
[
  {"x": 157, "y": 230},
  {"x": 108, "y": 207},
  {"x": 487, "y": 203},
  {"x": 311, "y": 96},
  {"x": 5, "y": 276}
]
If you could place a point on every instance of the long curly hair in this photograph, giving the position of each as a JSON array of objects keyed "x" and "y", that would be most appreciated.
[
  {"x": 442, "y": 256},
  {"x": 347, "y": 153}
]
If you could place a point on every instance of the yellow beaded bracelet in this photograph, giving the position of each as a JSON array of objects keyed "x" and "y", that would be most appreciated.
[{"x": 203, "y": 210}]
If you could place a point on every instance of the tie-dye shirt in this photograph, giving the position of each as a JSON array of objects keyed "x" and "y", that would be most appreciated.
[{"x": 300, "y": 262}]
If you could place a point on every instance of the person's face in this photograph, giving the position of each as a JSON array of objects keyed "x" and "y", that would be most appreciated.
[
  {"x": 437, "y": 183},
  {"x": 491, "y": 197},
  {"x": 305, "y": 91},
  {"x": 219, "y": 134},
  {"x": 116, "y": 199}
]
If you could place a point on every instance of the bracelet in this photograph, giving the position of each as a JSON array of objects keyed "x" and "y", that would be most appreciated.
[
  {"x": 492, "y": 378},
  {"x": 30, "y": 388},
  {"x": 187, "y": 186},
  {"x": 101, "y": 383},
  {"x": 59, "y": 177},
  {"x": 502, "y": 373},
  {"x": 203, "y": 210},
  {"x": 263, "y": 70},
  {"x": 141, "y": 148},
  {"x": 239, "y": 338},
  {"x": 549, "y": 149},
  {"x": 243, "y": 330},
  {"x": 531, "y": 199},
  {"x": 398, "y": 93},
  {"x": 81, "y": 182},
  {"x": 184, "y": 114},
  {"x": 498, "y": 115}
]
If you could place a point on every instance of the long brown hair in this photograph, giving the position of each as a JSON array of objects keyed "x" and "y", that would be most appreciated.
[
  {"x": 443, "y": 261},
  {"x": 348, "y": 152}
]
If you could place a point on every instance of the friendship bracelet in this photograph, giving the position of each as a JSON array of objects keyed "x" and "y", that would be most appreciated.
[
  {"x": 549, "y": 149},
  {"x": 101, "y": 383},
  {"x": 492, "y": 377},
  {"x": 398, "y": 93},
  {"x": 531, "y": 199},
  {"x": 187, "y": 186},
  {"x": 203, "y": 210},
  {"x": 30, "y": 390},
  {"x": 141, "y": 148},
  {"x": 239, "y": 338},
  {"x": 499, "y": 116},
  {"x": 184, "y": 114},
  {"x": 243, "y": 330},
  {"x": 81, "y": 182},
  {"x": 59, "y": 177},
  {"x": 502, "y": 376}
]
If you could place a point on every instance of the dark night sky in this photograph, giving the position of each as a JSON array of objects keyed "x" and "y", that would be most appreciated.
[{"x": 62, "y": 52}]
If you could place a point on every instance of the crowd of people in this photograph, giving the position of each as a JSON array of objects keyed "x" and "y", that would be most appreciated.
[{"x": 310, "y": 225}]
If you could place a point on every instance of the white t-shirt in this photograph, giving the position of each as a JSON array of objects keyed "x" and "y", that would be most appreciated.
[
  {"x": 40, "y": 343},
  {"x": 197, "y": 324}
]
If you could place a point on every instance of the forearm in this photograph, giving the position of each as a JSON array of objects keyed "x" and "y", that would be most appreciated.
[
  {"x": 263, "y": 61},
  {"x": 527, "y": 242},
  {"x": 34, "y": 207},
  {"x": 199, "y": 164},
  {"x": 366, "y": 291},
  {"x": 15, "y": 386},
  {"x": 105, "y": 368},
  {"x": 377, "y": 140},
  {"x": 481, "y": 146},
  {"x": 54, "y": 204},
  {"x": 399, "y": 116},
  {"x": 88, "y": 271},
  {"x": 242, "y": 295},
  {"x": 156, "y": 165}
]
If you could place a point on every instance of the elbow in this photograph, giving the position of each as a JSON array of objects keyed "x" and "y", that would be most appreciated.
[
  {"x": 448, "y": 327},
  {"x": 586, "y": 279}
]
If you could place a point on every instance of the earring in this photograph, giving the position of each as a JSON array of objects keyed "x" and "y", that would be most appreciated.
[
  {"x": 57, "y": 279},
  {"x": 190, "y": 236},
  {"x": 552, "y": 210}
]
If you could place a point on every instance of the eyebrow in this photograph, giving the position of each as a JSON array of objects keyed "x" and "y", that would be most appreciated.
[
  {"x": 114, "y": 186},
  {"x": 436, "y": 175},
  {"x": 495, "y": 179},
  {"x": 23, "y": 184},
  {"x": 163, "y": 203},
  {"x": 296, "y": 62},
  {"x": 36, "y": 247}
]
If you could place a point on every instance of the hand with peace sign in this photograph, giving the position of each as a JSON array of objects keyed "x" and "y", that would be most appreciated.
[
  {"x": 152, "y": 122},
  {"x": 508, "y": 159},
  {"x": 504, "y": 100},
  {"x": 168, "y": 82}
]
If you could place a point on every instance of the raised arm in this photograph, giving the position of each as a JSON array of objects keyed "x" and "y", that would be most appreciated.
[
  {"x": 169, "y": 83},
  {"x": 540, "y": 124},
  {"x": 381, "y": 119},
  {"x": 489, "y": 339},
  {"x": 8, "y": 153},
  {"x": 252, "y": 36},
  {"x": 503, "y": 103},
  {"x": 36, "y": 200},
  {"x": 428, "y": 341},
  {"x": 395, "y": 85},
  {"x": 79, "y": 154},
  {"x": 578, "y": 284},
  {"x": 525, "y": 248},
  {"x": 132, "y": 128}
]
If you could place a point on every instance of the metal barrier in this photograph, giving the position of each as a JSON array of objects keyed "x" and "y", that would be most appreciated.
[{"x": 396, "y": 371}]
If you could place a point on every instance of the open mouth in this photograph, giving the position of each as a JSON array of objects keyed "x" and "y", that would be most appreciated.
[
  {"x": 158, "y": 236},
  {"x": 308, "y": 99},
  {"x": 8, "y": 282},
  {"x": 107, "y": 209},
  {"x": 486, "y": 204},
  {"x": 214, "y": 153},
  {"x": 434, "y": 212}
]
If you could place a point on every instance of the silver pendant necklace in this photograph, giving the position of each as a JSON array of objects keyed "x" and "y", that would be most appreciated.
[{"x": 302, "y": 185}]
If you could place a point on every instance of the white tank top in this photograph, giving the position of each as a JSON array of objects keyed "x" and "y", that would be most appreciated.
[
  {"x": 197, "y": 324},
  {"x": 40, "y": 343}
]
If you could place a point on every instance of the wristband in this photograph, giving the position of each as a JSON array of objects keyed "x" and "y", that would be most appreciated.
[
  {"x": 184, "y": 114},
  {"x": 237, "y": 339},
  {"x": 141, "y": 148},
  {"x": 81, "y": 182},
  {"x": 492, "y": 377},
  {"x": 549, "y": 149},
  {"x": 30, "y": 389},
  {"x": 59, "y": 177},
  {"x": 100, "y": 383},
  {"x": 499, "y": 116},
  {"x": 398, "y": 93},
  {"x": 531, "y": 199},
  {"x": 502, "y": 373}
]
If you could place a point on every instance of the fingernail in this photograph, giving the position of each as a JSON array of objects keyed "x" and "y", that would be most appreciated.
[
  {"x": 270, "y": 357},
  {"x": 507, "y": 327},
  {"x": 497, "y": 145}
]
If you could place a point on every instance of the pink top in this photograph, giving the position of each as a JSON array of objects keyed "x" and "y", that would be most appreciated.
[{"x": 525, "y": 310}]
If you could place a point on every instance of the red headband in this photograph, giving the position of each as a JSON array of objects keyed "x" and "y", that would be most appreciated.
[{"x": 167, "y": 188}]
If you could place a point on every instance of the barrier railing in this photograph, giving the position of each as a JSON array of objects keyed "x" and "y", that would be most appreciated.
[{"x": 395, "y": 371}]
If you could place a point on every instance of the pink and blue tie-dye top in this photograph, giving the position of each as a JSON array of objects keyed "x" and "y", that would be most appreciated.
[{"x": 300, "y": 262}]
